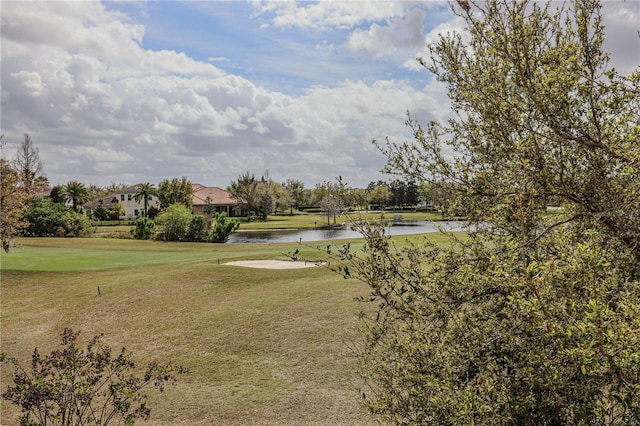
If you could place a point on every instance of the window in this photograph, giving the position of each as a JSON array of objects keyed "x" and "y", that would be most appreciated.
[
  {"x": 128, "y": 197},
  {"x": 121, "y": 197},
  {"x": 135, "y": 212}
]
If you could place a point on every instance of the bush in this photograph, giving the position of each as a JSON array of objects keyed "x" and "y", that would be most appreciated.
[
  {"x": 199, "y": 228},
  {"x": 176, "y": 220},
  {"x": 74, "y": 225},
  {"x": 143, "y": 229},
  {"x": 223, "y": 228},
  {"x": 48, "y": 219},
  {"x": 101, "y": 213},
  {"x": 73, "y": 387}
]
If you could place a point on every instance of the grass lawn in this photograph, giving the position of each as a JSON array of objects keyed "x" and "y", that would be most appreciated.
[{"x": 268, "y": 347}]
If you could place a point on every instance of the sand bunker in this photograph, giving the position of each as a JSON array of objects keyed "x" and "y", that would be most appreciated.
[{"x": 273, "y": 264}]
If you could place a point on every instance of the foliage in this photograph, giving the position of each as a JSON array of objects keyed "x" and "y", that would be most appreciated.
[
  {"x": 49, "y": 219},
  {"x": 297, "y": 192},
  {"x": 29, "y": 167},
  {"x": 143, "y": 229},
  {"x": 100, "y": 213},
  {"x": 223, "y": 228},
  {"x": 117, "y": 211},
  {"x": 75, "y": 387},
  {"x": 175, "y": 191},
  {"x": 283, "y": 198},
  {"x": 153, "y": 212},
  {"x": 76, "y": 192},
  {"x": 12, "y": 205},
  {"x": 145, "y": 193},
  {"x": 332, "y": 203},
  {"x": 535, "y": 318},
  {"x": 176, "y": 220},
  {"x": 258, "y": 195},
  {"x": 57, "y": 194},
  {"x": 199, "y": 228},
  {"x": 379, "y": 194},
  {"x": 266, "y": 198},
  {"x": 74, "y": 224}
]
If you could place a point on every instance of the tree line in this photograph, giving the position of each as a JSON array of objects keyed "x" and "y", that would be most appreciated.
[{"x": 26, "y": 211}]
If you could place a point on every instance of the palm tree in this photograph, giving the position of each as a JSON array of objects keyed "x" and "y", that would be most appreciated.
[
  {"x": 77, "y": 192},
  {"x": 145, "y": 192}
]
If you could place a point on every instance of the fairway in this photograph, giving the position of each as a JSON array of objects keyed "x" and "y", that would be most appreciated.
[
  {"x": 30, "y": 258},
  {"x": 270, "y": 347}
]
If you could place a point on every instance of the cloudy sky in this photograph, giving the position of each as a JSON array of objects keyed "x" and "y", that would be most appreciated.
[{"x": 131, "y": 92}]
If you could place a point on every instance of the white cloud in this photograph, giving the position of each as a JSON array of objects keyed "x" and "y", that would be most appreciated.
[
  {"x": 400, "y": 35},
  {"x": 103, "y": 108},
  {"x": 325, "y": 14}
]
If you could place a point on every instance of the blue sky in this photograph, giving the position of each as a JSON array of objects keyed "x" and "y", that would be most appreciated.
[
  {"x": 232, "y": 36},
  {"x": 131, "y": 92}
]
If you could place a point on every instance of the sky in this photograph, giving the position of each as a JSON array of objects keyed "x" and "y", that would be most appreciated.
[{"x": 134, "y": 92}]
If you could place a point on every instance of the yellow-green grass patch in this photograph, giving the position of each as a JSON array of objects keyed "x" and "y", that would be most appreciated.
[{"x": 270, "y": 347}]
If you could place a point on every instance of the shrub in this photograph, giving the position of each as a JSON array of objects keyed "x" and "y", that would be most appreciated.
[
  {"x": 199, "y": 228},
  {"x": 223, "y": 228},
  {"x": 75, "y": 387},
  {"x": 48, "y": 219},
  {"x": 143, "y": 229},
  {"x": 176, "y": 220}
]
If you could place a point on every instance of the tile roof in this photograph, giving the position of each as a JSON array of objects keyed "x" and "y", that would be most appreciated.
[{"x": 217, "y": 196}]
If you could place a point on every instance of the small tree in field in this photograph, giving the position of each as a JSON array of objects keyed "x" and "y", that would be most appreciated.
[
  {"x": 75, "y": 387},
  {"x": 143, "y": 229},
  {"x": 223, "y": 228}
]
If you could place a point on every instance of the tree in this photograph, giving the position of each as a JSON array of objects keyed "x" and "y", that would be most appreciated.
[
  {"x": 332, "y": 202},
  {"x": 29, "y": 167},
  {"x": 297, "y": 191},
  {"x": 175, "y": 191},
  {"x": 199, "y": 228},
  {"x": 380, "y": 195},
  {"x": 118, "y": 210},
  {"x": 175, "y": 220},
  {"x": 534, "y": 318},
  {"x": 57, "y": 194},
  {"x": 145, "y": 192},
  {"x": 223, "y": 228},
  {"x": 245, "y": 190},
  {"x": 76, "y": 192},
  {"x": 12, "y": 204},
  {"x": 258, "y": 195},
  {"x": 284, "y": 198},
  {"x": 266, "y": 197},
  {"x": 93, "y": 387},
  {"x": 48, "y": 219}
]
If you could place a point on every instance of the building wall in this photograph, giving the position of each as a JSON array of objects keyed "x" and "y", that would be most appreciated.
[{"x": 131, "y": 206}]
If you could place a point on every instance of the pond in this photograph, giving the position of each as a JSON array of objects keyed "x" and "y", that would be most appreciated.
[{"x": 306, "y": 235}]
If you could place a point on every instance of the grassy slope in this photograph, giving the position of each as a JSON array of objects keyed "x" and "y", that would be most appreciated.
[{"x": 263, "y": 347}]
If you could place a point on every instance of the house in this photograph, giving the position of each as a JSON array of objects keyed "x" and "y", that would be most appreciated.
[
  {"x": 125, "y": 197},
  {"x": 43, "y": 192},
  {"x": 209, "y": 200}
]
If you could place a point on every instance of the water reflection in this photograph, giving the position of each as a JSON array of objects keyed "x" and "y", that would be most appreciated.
[{"x": 289, "y": 236}]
